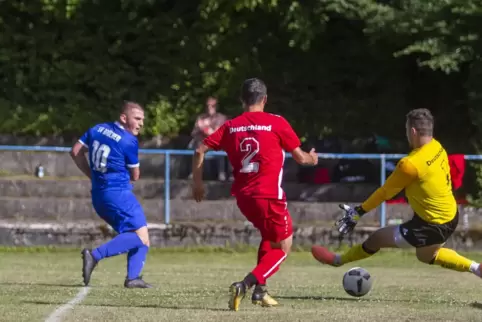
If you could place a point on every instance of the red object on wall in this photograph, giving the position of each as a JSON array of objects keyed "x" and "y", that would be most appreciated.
[
  {"x": 322, "y": 176},
  {"x": 457, "y": 169}
]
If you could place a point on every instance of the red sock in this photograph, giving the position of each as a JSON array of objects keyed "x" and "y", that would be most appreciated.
[
  {"x": 268, "y": 265},
  {"x": 264, "y": 248}
]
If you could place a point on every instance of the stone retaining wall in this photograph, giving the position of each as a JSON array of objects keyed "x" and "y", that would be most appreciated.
[
  {"x": 69, "y": 200},
  {"x": 179, "y": 189},
  {"x": 48, "y": 211},
  {"x": 90, "y": 234}
]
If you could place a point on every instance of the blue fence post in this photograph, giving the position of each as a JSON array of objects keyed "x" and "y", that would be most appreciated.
[
  {"x": 383, "y": 166},
  {"x": 167, "y": 188}
]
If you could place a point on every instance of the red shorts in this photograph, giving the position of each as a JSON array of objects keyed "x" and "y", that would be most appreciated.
[{"x": 270, "y": 216}]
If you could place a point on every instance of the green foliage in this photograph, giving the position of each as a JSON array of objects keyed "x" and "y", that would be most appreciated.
[
  {"x": 329, "y": 64},
  {"x": 67, "y": 64}
]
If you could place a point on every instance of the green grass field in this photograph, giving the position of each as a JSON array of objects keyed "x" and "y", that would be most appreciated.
[{"x": 192, "y": 286}]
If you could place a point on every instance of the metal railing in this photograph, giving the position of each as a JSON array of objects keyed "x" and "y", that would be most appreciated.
[{"x": 167, "y": 174}]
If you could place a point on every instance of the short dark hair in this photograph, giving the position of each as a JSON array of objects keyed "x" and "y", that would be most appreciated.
[
  {"x": 129, "y": 105},
  {"x": 422, "y": 120},
  {"x": 253, "y": 91}
]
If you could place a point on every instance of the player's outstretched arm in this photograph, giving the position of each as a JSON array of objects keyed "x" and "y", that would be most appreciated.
[
  {"x": 301, "y": 157},
  {"x": 197, "y": 172},
  {"x": 404, "y": 174},
  {"x": 78, "y": 155}
]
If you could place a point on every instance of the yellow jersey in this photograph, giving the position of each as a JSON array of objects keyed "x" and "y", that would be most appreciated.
[{"x": 425, "y": 176}]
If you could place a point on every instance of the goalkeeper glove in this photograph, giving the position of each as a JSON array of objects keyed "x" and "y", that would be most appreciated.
[{"x": 348, "y": 222}]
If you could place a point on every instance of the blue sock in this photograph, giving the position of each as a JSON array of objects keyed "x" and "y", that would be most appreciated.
[
  {"x": 135, "y": 261},
  {"x": 120, "y": 244}
]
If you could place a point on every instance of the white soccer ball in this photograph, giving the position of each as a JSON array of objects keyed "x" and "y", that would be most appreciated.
[{"x": 357, "y": 281}]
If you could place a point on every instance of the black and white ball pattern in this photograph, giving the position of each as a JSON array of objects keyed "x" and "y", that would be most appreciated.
[{"x": 357, "y": 282}]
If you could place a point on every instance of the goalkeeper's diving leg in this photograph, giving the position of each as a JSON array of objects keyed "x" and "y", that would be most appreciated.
[
  {"x": 428, "y": 243},
  {"x": 382, "y": 238}
]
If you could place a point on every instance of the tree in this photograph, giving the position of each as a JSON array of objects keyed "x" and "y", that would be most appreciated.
[{"x": 328, "y": 63}]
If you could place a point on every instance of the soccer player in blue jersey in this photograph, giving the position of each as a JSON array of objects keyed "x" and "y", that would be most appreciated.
[{"x": 113, "y": 163}]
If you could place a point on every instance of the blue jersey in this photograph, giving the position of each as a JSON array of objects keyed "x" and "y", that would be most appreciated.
[{"x": 112, "y": 151}]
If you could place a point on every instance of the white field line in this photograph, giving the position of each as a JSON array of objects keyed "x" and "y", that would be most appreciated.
[{"x": 56, "y": 316}]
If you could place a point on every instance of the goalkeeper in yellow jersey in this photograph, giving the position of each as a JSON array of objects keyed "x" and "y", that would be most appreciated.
[{"x": 425, "y": 176}]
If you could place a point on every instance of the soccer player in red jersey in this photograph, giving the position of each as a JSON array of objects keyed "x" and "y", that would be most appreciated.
[{"x": 255, "y": 143}]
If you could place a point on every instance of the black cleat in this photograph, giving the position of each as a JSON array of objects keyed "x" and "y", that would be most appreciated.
[
  {"x": 88, "y": 265},
  {"x": 261, "y": 297},
  {"x": 136, "y": 283},
  {"x": 237, "y": 292}
]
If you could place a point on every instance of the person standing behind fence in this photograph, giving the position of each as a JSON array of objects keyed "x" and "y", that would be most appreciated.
[
  {"x": 114, "y": 163},
  {"x": 205, "y": 125}
]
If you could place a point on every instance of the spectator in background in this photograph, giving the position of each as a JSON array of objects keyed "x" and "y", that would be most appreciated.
[{"x": 206, "y": 124}]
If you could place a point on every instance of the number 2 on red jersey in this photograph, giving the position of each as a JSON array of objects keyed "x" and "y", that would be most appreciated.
[{"x": 251, "y": 147}]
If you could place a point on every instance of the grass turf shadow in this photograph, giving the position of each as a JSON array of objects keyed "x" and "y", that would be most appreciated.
[
  {"x": 372, "y": 299},
  {"x": 152, "y": 306}
]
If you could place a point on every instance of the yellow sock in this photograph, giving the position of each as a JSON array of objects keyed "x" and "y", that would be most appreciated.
[
  {"x": 448, "y": 258},
  {"x": 354, "y": 254}
]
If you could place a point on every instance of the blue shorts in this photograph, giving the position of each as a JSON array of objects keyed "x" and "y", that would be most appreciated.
[{"x": 120, "y": 209}]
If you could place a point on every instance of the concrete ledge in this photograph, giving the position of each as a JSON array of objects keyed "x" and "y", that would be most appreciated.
[
  {"x": 187, "y": 210},
  {"x": 63, "y": 209},
  {"x": 60, "y": 164},
  {"x": 91, "y": 234},
  {"x": 179, "y": 189}
]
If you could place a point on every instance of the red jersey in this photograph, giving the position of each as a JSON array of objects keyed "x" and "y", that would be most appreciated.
[{"x": 255, "y": 143}]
